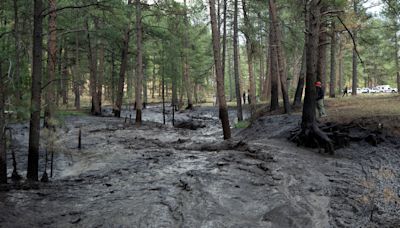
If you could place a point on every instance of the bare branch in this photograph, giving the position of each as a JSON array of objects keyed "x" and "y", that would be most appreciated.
[{"x": 352, "y": 37}]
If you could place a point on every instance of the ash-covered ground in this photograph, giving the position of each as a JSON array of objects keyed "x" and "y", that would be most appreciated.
[{"x": 160, "y": 176}]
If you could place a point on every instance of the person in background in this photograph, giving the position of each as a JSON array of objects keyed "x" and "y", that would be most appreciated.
[
  {"x": 248, "y": 97},
  {"x": 345, "y": 91},
  {"x": 244, "y": 97},
  {"x": 320, "y": 99}
]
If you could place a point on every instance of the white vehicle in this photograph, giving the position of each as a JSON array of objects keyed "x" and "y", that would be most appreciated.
[
  {"x": 350, "y": 90},
  {"x": 394, "y": 90},
  {"x": 384, "y": 88},
  {"x": 374, "y": 90},
  {"x": 364, "y": 90}
]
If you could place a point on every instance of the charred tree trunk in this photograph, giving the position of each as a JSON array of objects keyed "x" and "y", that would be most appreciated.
[
  {"x": 300, "y": 85},
  {"x": 92, "y": 57},
  {"x": 3, "y": 151},
  {"x": 100, "y": 74},
  {"x": 223, "y": 109},
  {"x": 354, "y": 58},
  {"x": 139, "y": 62},
  {"x": 186, "y": 61},
  {"x": 396, "y": 44},
  {"x": 51, "y": 65},
  {"x": 236, "y": 62},
  {"x": 333, "y": 64},
  {"x": 250, "y": 56},
  {"x": 34, "y": 126},
  {"x": 77, "y": 76},
  {"x": 341, "y": 68},
  {"x": 122, "y": 70},
  {"x": 310, "y": 134},
  {"x": 273, "y": 71},
  {"x": 17, "y": 43},
  {"x": 280, "y": 54},
  {"x": 64, "y": 78}
]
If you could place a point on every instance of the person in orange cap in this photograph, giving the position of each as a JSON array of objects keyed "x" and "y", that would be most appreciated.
[{"x": 320, "y": 99}]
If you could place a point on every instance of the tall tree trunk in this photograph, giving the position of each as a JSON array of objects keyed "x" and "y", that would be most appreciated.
[
  {"x": 250, "y": 51},
  {"x": 77, "y": 75},
  {"x": 223, "y": 109},
  {"x": 92, "y": 57},
  {"x": 3, "y": 151},
  {"x": 224, "y": 37},
  {"x": 280, "y": 55},
  {"x": 236, "y": 62},
  {"x": 321, "y": 67},
  {"x": 354, "y": 58},
  {"x": 34, "y": 126},
  {"x": 274, "y": 74},
  {"x": 17, "y": 43},
  {"x": 153, "y": 89},
  {"x": 300, "y": 85},
  {"x": 139, "y": 62},
  {"x": 186, "y": 61},
  {"x": 396, "y": 44},
  {"x": 64, "y": 77},
  {"x": 113, "y": 77},
  {"x": 122, "y": 69},
  {"x": 51, "y": 65},
  {"x": 100, "y": 74},
  {"x": 310, "y": 133},
  {"x": 333, "y": 63},
  {"x": 341, "y": 68}
]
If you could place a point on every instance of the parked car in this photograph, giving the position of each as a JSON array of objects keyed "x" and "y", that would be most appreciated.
[
  {"x": 384, "y": 88},
  {"x": 364, "y": 90},
  {"x": 374, "y": 90}
]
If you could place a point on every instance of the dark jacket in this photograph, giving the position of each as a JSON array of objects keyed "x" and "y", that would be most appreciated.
[{"x": 320, "y": 93}]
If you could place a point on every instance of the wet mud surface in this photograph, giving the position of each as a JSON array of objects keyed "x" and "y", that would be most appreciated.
[{"x": 161, "y": 176}]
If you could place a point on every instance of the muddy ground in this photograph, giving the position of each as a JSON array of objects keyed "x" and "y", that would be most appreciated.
[{"x": 161, "y": 176}]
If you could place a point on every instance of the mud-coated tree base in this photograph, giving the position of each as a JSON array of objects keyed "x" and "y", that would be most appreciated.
[{"x": 312, "y": 136}]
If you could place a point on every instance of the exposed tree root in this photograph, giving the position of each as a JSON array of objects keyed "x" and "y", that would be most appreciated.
[{"x": 332, "y": 136}]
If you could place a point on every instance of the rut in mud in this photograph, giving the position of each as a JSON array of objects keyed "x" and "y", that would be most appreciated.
[{"x": 161, "y": 176}]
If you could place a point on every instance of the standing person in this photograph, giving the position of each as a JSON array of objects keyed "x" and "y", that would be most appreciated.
[
  {"x": 320, "y": 99},
  {"x": 244, "y": 97},
  {"x": 248, "y": 97},
  {"x": 345, "y": 92}
]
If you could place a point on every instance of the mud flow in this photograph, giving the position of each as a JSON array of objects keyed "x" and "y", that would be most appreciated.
[{"x": 186, "y": 176}]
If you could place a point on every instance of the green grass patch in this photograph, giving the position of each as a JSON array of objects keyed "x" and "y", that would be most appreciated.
[{"x": 242, "y": 124}]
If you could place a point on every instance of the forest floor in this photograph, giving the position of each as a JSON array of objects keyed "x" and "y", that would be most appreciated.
[{"x": 161, "y": 176}]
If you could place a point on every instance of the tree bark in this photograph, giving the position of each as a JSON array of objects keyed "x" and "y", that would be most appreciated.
[
  {"x": 17, "y": 43},
  {"x": 236, "y": 62},
  {"x": 333, "y": 63},
  {"x": 280, "y": 55},
  {"x": 250, "y": 56},
  {"x": 223, "y": 109},
  {"x": 139, "y": 62},
  {"x": 355, "y": 61},
  {"x": 92, "y": 57},
  {"x": 274, "y": 74},
  {"x": 310, "y": 134},
  {"x": 396, "y": 44},
  {"x": 186, "y": 61},
  {"x": 51, "y": 65},
  {"x": 122, "y": 69},
  {"x": 100, "y": 72},
  {"x": 77, "y": 76},
  {"x": 3, "y": 151},
  {"x": 34, "y": 126},
  {"x": 64, "y": 77},
  {"x": 341, "y": 68},
  {"x": 300, "y": 85}
]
